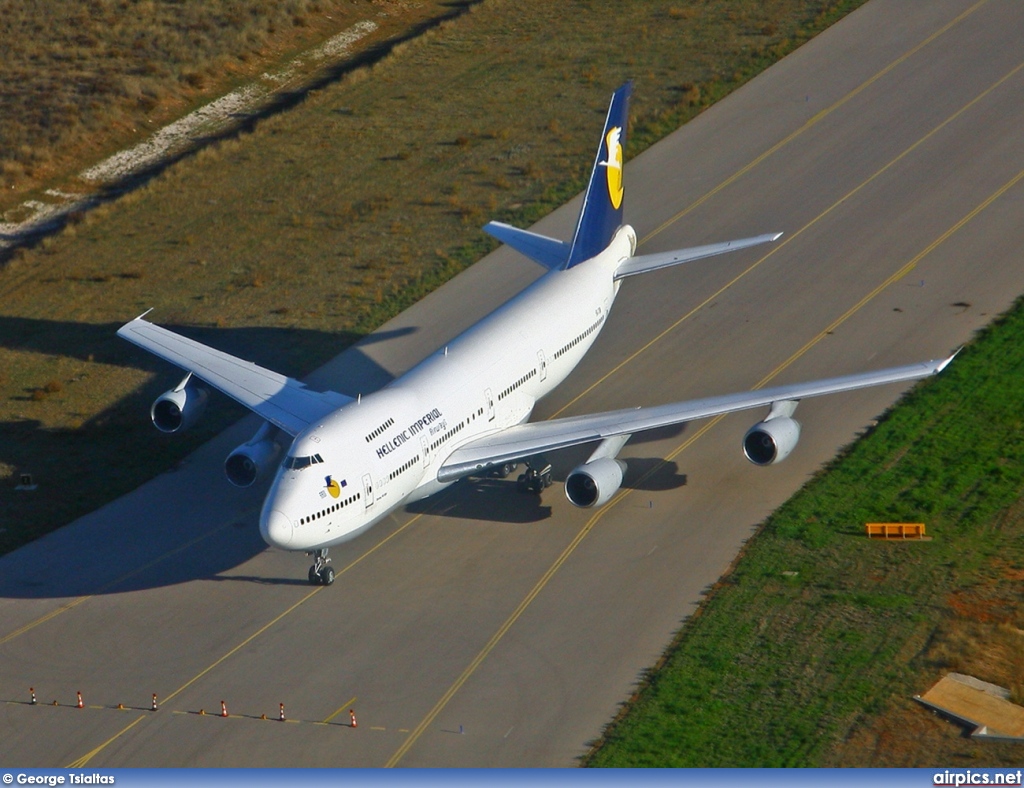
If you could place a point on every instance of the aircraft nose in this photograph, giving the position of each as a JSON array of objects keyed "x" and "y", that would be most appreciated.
[{"x": 276, "y": 529}]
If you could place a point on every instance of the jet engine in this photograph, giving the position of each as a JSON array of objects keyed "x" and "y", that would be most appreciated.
[
  {"x": 179, "y": 408},
  {"x": 770, "y": 441},
  {"x": 595, "y": 482},
  {"x": 248, "y": 462}
]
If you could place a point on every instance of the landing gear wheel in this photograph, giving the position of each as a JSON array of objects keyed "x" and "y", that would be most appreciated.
[
  {"x": 501, "y": 471},
  {"x": 321, "y": 573},
  {"x": 537, "y": 477}
]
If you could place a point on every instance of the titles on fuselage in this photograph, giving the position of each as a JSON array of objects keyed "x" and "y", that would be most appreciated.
[{"x": 401, "y": 437}]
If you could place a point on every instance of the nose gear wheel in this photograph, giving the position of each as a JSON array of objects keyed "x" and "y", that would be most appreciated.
[{"x": 321, "y": 573}]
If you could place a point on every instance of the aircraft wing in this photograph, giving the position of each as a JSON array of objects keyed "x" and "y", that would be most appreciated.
[
  {"x": 284, "y": 402},
  {"x": 525, "y": 440},
  {"x": 643, "y": 263}
]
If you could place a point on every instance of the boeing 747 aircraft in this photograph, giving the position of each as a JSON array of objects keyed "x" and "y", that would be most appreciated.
[{"x": 463, "y": 410}]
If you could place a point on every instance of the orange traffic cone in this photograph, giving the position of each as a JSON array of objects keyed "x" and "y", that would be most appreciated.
[
  {"x": 32, "y": 692},
  {"x": 280, "y": 716},
  {"x": 80, "y": 704},
  {"x": 153, "y": 707},
  {"x": 352, "y": 716},
  {"x": 223, "y": 709}
]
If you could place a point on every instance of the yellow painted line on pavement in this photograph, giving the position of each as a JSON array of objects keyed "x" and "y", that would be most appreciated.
[
  {"x": 812, "y": 122},
  {"x": 43, "y": 619},
  {"x": 78, "y": 764},
  {"x": 346, "y": 705},
  {"x": 582, "y": 534},
  {"x": 623, "y": 494},
  {"x": 75, "y": 602},
  {"x": 788, "y": 239},
  {"x": 263, "y": 629},
  {"x": 650, "y": 235}
]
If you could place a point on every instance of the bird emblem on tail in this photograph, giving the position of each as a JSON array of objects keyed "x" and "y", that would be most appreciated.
[{"x": 613, "y": 166}]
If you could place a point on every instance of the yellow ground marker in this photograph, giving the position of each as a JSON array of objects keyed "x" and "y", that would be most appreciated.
[{"x": 913, "y": 531}]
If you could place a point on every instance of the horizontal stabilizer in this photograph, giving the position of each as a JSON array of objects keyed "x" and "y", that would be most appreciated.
[
  {"x": 652, "y": 262},
  {"x": 546, "y": 251}
]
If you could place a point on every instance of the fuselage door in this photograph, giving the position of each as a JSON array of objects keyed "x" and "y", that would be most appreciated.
[
  {"x": 542, "y": 365},
  {"x": 490, "y": 404},
  {"x": 425, "y": 449},
  {"x": 367, "y": 490}
]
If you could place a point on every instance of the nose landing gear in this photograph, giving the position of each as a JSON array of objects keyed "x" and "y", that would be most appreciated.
[{"x": 321, "y": 573}]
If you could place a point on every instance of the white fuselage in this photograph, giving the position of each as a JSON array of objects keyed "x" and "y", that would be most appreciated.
[{"x": 352, "y": 468}]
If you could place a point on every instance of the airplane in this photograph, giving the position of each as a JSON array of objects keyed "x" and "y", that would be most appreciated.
[{"x": 464, "y": 410}]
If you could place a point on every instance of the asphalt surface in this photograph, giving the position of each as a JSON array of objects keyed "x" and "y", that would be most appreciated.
[{"x": 486, "y": 628}]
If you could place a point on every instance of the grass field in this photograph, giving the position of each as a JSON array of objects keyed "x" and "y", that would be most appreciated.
[
  {"x": 286, "y": 244},
  {"x": 808, "y": 652},
  {"x": 83, "y": 77}
]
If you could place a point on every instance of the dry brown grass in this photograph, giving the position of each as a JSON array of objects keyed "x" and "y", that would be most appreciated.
[
  {"x": 982, "y": 635},
  {"x": 81, "y": 76}
]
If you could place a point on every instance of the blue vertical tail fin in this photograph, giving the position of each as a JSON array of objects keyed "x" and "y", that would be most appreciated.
[{"x": 601, "y": 214}]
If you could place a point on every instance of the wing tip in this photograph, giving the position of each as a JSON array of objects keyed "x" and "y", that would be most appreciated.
[
  {"x": 124, "y": 330},
  {"x": 946, "y": 362}
]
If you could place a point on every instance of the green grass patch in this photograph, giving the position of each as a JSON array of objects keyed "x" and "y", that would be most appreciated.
[{"x": 818, "y": 629}]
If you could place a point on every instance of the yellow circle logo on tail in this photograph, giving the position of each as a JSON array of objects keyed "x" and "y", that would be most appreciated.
[
  {"x": 613, "y": 166},
  {"x": 333, "y": 487}
]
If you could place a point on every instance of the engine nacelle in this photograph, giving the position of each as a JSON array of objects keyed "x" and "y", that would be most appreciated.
[
  {"x": 595, "y": 482},
  {"x": 248, "y": 462},
  {"x": 179, "y": 408},
  {"x": 771, "y": 441}
]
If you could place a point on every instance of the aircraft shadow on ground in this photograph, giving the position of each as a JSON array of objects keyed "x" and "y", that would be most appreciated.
[
  {"x": 487, "y": 500},
  {"x": 112, "y": 452},
  {"x": 273, "y": 348},
  {"x": 193, "y": 550},
  {"x": 112, "y": 568}
]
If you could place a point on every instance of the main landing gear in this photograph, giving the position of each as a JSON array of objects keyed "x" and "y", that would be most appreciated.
[
  {"x": 501, "y": 471},
  {"x": 321, "y": 573},
  {"x": 537, "y": 477}
]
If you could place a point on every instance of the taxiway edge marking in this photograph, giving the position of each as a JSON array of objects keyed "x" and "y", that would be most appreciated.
[
  {"x": 346, "y": 705},
  {"x": 812, "y": 122},
  {"x": 78, "y": 764},
  {"x": 788, "y": 239},
  {"x": 622, "y": 494}
]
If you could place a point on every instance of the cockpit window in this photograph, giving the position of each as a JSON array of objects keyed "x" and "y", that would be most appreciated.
[{"x": 298, "y": 463}]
